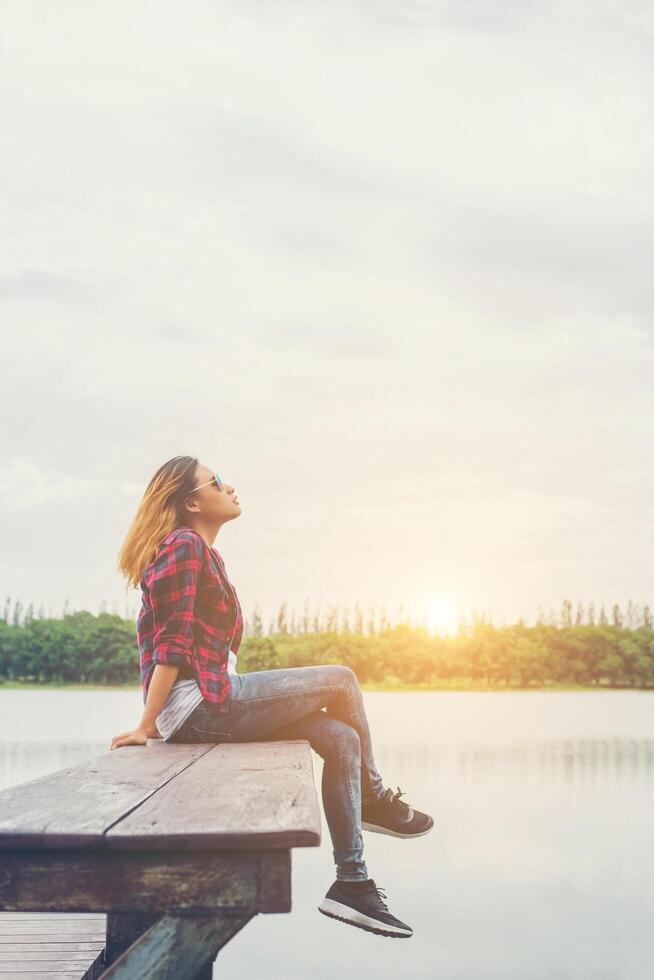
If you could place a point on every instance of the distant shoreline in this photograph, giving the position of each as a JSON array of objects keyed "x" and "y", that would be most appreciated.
[{"x": 381, "y": 686}]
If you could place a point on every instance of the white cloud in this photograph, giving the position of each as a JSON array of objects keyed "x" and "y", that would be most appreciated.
[{"x": 25, "y": 485}]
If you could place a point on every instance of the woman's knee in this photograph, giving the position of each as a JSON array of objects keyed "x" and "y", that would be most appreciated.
[
  {"x": 333, "y": 739},
  {"x": 344, "y": 674},
  {"x": 345, "y": 744}
]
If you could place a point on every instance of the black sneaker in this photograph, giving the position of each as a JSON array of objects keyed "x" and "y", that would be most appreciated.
[
  {"x": 391, "y": 815},
  {"x": 362, "y": 904}
]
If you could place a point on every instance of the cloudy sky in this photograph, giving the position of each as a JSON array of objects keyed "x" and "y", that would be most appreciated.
[{"x": 386, "y": 266}]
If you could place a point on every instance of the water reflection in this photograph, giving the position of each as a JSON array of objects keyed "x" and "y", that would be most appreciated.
[
  {"x": 22, "y": 761},
  {"x": 615, "y": 761},
  {"x": 540, "y": 866}
]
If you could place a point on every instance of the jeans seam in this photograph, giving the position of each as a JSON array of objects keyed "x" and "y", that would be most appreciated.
[
  {"x": 273, "y": 697},
  {"x": 210, "y": 731},
  {"x": 364, "y": 762},
  {"x": 341, "y": 756}
]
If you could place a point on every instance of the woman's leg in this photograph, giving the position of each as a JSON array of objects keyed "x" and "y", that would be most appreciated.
[
  {"x": 263, "y": 700},
  {"x": 339, "y": 746}
]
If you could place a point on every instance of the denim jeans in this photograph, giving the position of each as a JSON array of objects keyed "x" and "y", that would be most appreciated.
[{"x": 265, "y": 705}]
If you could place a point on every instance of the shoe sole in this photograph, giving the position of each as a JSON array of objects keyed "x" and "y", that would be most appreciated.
[
  {"x": 376, "y": 829},
  {"x": 336, "y": 910}
]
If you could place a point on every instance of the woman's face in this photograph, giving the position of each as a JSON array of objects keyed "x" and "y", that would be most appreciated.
[{"x": 215, "y": 505}]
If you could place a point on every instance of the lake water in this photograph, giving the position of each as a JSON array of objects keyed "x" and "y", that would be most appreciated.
[{"x": 540, "y": 865}]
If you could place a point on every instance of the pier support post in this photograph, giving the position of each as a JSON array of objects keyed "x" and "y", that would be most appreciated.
[
  {"x": 180, "y": 946},
  {"x": 124, "y": 928}
]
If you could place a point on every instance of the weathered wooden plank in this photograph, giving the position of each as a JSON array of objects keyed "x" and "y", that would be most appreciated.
[
  {"x": 31, "y": 953},
  {"x": 56, "y": 975},
  {"x": 21, "y": 927},
  {"x": 240, "y": 795},
  {"x": 45, "y": 968},
  {"x": 101, "y": 881},
  {"x": 177, "y": 946},
  {"x": 38, "y": 950},
  {"x": 75, "y": 806},
  {"x": 25, "y": 953},
  {"x": 87, "y": 922},
  {"x": 63, "y": 917}
]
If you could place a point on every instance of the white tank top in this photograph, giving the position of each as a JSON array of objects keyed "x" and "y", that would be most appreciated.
[{"x": 184, "y": 697}]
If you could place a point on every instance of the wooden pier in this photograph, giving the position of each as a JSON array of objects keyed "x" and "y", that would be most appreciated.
[
  {"x": 44, "y": 946},
  {"x": 146, "y": 860}
]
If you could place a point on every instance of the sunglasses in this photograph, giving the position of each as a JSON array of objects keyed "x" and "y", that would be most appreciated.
[{"x": 215, "y": 480}]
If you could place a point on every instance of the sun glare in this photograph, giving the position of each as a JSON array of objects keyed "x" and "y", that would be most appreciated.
[{"x": 442, "y": 616}]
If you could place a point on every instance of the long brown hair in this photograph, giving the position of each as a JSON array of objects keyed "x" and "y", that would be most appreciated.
[{"x": 160, "y": 511}]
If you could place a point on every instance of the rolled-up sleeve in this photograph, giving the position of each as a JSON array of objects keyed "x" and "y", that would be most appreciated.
[{"x": 173, "y": 588}]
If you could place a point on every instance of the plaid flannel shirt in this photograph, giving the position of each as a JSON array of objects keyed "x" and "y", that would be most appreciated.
[{"x": 190, "y": 615}]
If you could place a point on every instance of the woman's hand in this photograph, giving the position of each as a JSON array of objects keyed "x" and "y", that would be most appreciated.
[{"x": 139, "y": 736}]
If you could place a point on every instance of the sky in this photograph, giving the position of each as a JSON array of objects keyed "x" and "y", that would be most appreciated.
[{"x": 385, "y": 266}]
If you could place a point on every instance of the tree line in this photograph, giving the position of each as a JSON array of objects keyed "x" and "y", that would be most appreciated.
[
  {"x": 614, "y": 650},
  {"x": 373, "y": 619}
]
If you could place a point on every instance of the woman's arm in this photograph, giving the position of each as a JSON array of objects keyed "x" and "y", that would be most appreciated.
[
  {"x": 163, "y": 678},
  {"x": 173, "y": 586}
]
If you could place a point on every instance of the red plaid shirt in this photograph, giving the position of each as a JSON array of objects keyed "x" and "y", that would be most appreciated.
[{"x": 190, "y": 615}]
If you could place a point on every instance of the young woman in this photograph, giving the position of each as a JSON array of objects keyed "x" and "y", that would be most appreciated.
[{"x": 189, "y": 631}]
